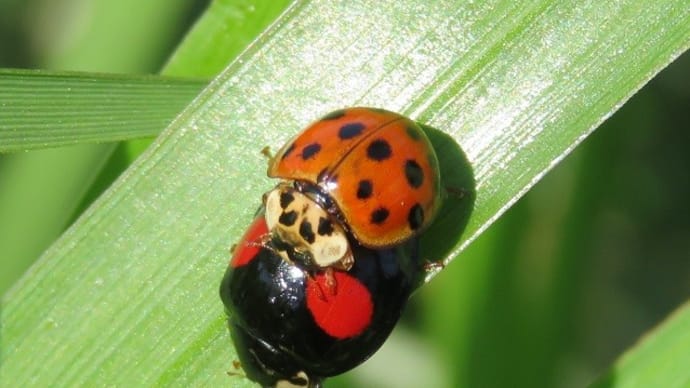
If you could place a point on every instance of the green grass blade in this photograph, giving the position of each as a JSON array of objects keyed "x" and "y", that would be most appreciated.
[
  {"x": 659, "y": 360},
  {"x": 129, "y": 294},
  {"x": 74, "y": 38},
  {"x": 45, "y": 109},
  {"x": 227, "y": 28}
]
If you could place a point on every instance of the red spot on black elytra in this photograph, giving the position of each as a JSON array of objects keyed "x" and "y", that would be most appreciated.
[
  {"x": 250, "y": 245},
  {"x": 344, "y": 313}
]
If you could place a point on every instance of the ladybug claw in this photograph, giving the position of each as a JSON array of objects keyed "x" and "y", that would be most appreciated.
[
  {"x": 433, "y": 266},
  {"x": 456, "y": 192},
  {"x": 331, "y": 284},
  {"x": 237, "y": 369}
]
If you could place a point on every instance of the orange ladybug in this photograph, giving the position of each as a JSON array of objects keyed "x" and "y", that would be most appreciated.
[{"x": 364, "y": 171}]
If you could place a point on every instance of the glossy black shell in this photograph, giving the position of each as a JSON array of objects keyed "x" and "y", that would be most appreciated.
[{"x": 275, "y": 334}]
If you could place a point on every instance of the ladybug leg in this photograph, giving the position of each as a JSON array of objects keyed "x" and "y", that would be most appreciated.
[
  {"x": 327, "y": 286},
  {"x": 331, "y": 283},
  {"x": 433, "y": 266},
  {"x": 264, "y": 241},
  {"x": 237, "y": 369},
  {"x": 456, "y": 192},
  {"x": 233, "y": 248}
]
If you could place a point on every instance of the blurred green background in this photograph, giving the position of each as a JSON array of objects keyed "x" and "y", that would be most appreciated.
[{"x": 591, "y": 258}]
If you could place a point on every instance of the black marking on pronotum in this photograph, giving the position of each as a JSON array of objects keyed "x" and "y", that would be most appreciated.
[
  {"x": 288, "y": 218},
  {"x": 379, "y": 150},
  {"x": 379, "y": 216},
  {"x": 325, "y": 227},
  {"x": 364, "y": 189},
  {"x": 350, "y": 130},
  {"x": 334, "y": 115},
  {"x": 311, "y": 150},
  {"x": 415, "y": 217},
  {"x": 306, "y": 232},
  {"x": 414, "y": 173},
  {"x": 286, "y": 199}
]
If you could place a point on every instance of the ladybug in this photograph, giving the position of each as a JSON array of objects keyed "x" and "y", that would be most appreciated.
[
  {"x": 364, "y": 172},
  {"x": 291, "y": 329}
]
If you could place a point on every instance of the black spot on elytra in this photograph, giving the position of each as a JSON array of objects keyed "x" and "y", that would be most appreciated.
[
  {"x": 379, "y": 150},
  {"x": 348, "y": 131},
  {"x": 311, "y": 150},
  {"x": 306, "y": 232},
  {"x": 364, "y": 189},
  {"x": 334, "y": 115},
  {"x": 413, "y": 132},
  {"x": 288, "y": 151},
  {"x": 416, "y": 217},
  {"x": 288, "y": 219},
  {"x": 286, "y": 199},
  {"x": 414, "y": 173},
  {"x": 325, "y": 227},
  {"x": 379, "y": 216}
]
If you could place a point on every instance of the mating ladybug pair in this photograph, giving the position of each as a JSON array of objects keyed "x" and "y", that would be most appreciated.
[{"x": 321, "y": 276}]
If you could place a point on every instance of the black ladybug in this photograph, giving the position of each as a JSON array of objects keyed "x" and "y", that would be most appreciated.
[{"x": 293, "y": 327}]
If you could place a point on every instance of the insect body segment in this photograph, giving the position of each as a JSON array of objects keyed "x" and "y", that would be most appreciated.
[
  {"x": 378, "y": 168},
  {"x": 312, "y": 234}
]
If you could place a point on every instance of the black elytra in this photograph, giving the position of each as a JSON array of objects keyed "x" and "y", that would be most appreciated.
[
  {"x": 311, "y": 150},
  {"x": 305, "y": 230},
  {"x": 364, "y": 189},
  {"x": 274, "y": 331},
  {"x": 415, "y": 217},
  {"x": 288, "y": 218},
  {"x": 414, "y": 173},
  {"x": 379, "y": 150},
  {"x": 379, "y": 216}
]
